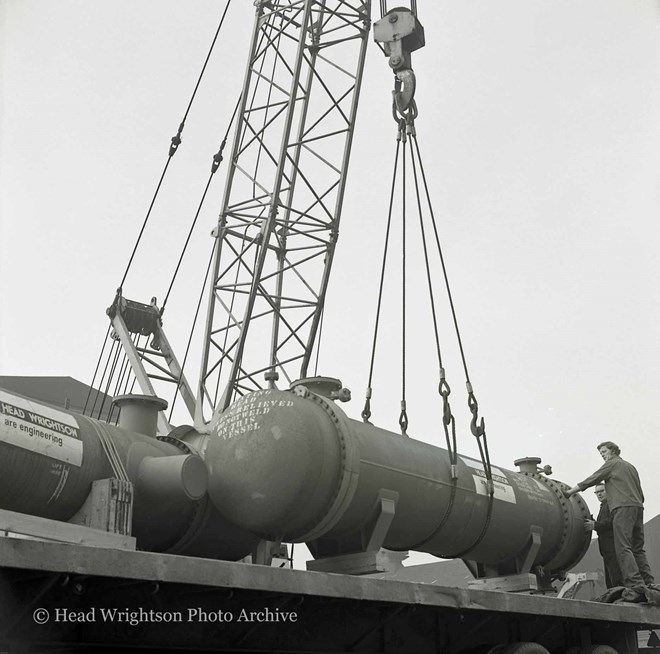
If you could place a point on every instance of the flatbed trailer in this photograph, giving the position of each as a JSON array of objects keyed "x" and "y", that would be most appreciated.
[{"x": 57, "y": 597}]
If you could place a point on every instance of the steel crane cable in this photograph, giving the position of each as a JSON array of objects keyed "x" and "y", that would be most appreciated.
[
  {"x": 106, "y": 392},
  {"x": 105, "y": 440},
  {"x": 403, "y": 417},
  {"x": 448, "y": 420},
  {"x": 406, "y": 128},
  {"x": 174, "y": 145},
  {"x": 96, "y": 370},
  {"x": 119, "y": 380},
  {"x": 123, "y": 370},
  {"x": 443, "y": 387},
  {"x": 366, "y": 412},
  {"x": 217, "y": 159},
  {"x": 175, "y": 142},
  {"x": 112, "y": 353},
  {"x": 318, "y": 342},
  {"x": 192, "y": 331},
  {"x": 478, "y": 429},
  {"x": 124, "y": 379}
]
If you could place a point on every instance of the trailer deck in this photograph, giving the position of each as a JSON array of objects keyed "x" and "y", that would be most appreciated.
[{"x": 56, "y": 595}]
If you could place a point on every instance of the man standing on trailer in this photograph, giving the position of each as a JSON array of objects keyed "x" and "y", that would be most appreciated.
[
  {"x": 626, "y": 503},
  {"x": 603, "y": 527}
]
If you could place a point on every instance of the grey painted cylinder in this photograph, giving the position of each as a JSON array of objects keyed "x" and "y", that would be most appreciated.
[
  {"x": 139, "y": 413},
  {"x": 292, "y": 466},
  {"x": 49, "y": 458}
]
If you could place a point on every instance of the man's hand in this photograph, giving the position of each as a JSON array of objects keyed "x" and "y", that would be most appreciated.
[{"x": 589, "y": 525}]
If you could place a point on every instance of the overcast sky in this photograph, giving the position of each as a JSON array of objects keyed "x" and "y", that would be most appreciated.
[{"x": 540, "y": 131}]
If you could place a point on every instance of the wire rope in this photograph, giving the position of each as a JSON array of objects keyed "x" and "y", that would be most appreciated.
[
  {"x": 174, "y": 145},
  {"x": 403, "y": 416},
  {"x": 366, "y": 412},
  {"x": 478, "y": 430},
  {"x": 96, "y": 370},
  {"x": 192, "y": 330},
  {"x": 217, "y": 159},
  {"x": 101, "y": 381}
]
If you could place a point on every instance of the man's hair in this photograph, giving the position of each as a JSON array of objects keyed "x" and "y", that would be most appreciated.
[
  {"x": 599, "y": 487},
  {"x": 612, "y": 447}
]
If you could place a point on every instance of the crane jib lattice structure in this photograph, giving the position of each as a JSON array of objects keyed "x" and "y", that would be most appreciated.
[{"x": 283, "y": 197}]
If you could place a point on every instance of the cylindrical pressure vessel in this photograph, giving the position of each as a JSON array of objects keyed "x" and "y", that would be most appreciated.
[
  {"x": 291, "y": 466},
  {"x": 49, "y": 458}
]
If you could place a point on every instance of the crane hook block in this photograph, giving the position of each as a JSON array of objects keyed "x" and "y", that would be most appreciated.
[{"x": 400, "y": 33}]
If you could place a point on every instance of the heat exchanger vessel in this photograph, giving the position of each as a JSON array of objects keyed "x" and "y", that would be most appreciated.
[
  {"x": 291, "y": 466},
  {"x": 49, "y": 458}
]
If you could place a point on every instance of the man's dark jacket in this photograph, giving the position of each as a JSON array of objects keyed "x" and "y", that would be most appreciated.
[{"x": 603, "y": 527}]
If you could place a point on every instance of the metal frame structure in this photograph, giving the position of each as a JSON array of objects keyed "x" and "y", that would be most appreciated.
[
  {"x": 153, "y": 362},
  {"x": 278, "y": 226},
  {"x": 178, "y": 603}
]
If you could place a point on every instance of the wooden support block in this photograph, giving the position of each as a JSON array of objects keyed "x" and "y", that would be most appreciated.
[
  {"x": 360, "y": 563},
  {"x": 23, "y": 525},
  {"x": 109, "y": 507},
  {"x": 511, "y": 584}
]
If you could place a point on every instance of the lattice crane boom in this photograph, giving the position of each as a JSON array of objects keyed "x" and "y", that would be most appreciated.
[{"x": 283, "y": 197}]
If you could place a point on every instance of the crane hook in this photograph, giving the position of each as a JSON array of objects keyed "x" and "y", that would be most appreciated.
[
  {"x": 477, "y": 430},
  {"x": 404, "y": 95},
  {"x": 400, "y": 33}
]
